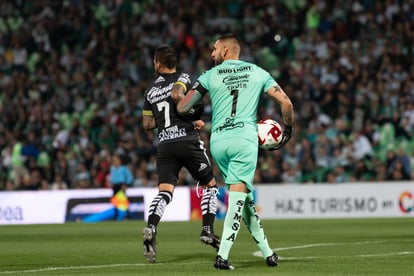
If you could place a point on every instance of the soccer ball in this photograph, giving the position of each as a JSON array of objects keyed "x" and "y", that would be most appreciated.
[{"x": 269, "y": 133}]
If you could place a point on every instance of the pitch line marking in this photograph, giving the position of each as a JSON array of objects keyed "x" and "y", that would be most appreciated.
[
  {"x": 69, "y": 268},
  {"x": 352, "y": 256},
  {"x": 326, "y": 244},
  {"x": 259, "y": 254}
]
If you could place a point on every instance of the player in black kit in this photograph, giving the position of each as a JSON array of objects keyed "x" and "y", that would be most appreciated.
[{"x": 179, "y": 146}]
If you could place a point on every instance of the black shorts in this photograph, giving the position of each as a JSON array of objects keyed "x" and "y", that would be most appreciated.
[{"x": 191, "y": 154}]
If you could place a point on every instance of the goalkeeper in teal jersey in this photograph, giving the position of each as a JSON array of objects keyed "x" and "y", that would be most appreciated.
[{"x": 235, "y": 88}]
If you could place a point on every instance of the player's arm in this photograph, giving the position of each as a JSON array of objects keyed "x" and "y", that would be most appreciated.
[
  {"x": 288, "y": 115},
  {"x": 286, "y": 106},
  {"x": 180, "y": 88},
  {"x": 185, "y": 101},
  {"x": 178, "y": 92},
  {"x": 185, "y": 104},
  {"x": 148, "y": 120}
]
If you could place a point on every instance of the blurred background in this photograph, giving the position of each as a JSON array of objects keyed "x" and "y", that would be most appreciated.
[{"x": 73, "y": 74}]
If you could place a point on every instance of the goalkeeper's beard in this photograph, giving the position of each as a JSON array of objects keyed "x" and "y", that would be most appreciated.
[{"x": 218, "y": 60}]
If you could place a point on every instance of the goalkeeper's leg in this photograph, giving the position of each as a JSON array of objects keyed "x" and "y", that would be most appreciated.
[
  {"x": 252, "y": 221},
  {"x": 232, "y": 222}
]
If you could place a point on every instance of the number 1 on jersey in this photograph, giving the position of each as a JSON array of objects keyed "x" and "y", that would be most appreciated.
[{"x": 235, "y": 94}]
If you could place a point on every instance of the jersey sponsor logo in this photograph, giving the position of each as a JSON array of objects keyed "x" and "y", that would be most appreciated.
[
  {"x": 246, "y": 68},
  {"x": 235, "y": 78},
  {"x": 236, "y": 82},
  {"x": 230, "y": 124},
  {"x": 156, "y": 94},
  {"x": 171, "y": 133},
  {"x": 225, "y": 71},
  {"x": 159, "y": 79}
]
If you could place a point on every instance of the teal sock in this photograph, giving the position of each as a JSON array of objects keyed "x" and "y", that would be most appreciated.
[
  {"x": 252, "y": 221},
  {"x": 232, "y": 223}
]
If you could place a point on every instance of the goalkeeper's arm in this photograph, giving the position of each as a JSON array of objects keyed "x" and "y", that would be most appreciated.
[
  {"x": 288, "y": 115},
  {"x": 185, "y": 101}
]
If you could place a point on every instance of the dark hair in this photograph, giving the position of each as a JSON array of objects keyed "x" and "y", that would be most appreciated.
[
  {"x": 229, "y": 36},
  {"x": 123, "y": 157},
  {"x": 167, "y": 56}
]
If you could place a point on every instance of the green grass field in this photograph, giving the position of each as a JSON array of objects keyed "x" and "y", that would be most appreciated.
[{"x": 305, "y": 247}]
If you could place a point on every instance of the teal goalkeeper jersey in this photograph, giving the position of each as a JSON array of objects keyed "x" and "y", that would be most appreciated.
[{"x": 235, "y": 88}]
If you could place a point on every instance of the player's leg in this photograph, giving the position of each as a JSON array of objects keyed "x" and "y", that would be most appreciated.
[
  {"x": 168, "y": 169},
  {"x": 159, "y": 203},
  {"x": 252, "y": 221},
  {"x": 208, "y": 211},
  {"x": 197, "y": 162},
  {"x": 231, "y": 227},
  {"x": 237, "y": 166},
  {"x": 155, "y": 213}
]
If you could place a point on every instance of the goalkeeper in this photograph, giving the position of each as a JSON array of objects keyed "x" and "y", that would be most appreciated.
[{"x": 235, "y": 88}]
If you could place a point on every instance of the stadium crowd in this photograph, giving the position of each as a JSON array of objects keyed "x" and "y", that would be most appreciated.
[{"x": 73, "y": 73}]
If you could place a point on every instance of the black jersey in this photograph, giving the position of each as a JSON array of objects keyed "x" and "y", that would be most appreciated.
[{"x": 158, "y": 103}]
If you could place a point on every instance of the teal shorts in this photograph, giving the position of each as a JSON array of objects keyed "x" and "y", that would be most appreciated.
[{"x": 236, "y": 160}]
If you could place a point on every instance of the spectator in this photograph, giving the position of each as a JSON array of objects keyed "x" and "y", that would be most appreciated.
[
  {"x": 121, "y": 176},
  {"x": 290, "y": 174},
  {"x": 61, "y": 140},
  {"x": 19, "y": 169},
  {"x": 82, "y": 177},
  {"x": 400, "y": 167},
  {"x": 59, "y": 183},
  {"x": 361, "y": 146}
]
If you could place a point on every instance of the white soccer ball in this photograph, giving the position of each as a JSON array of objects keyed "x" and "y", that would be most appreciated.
[{"x": 269, "y": 133}]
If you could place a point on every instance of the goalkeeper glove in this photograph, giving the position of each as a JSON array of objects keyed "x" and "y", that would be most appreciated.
[{"x": 286, "y": 135}]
